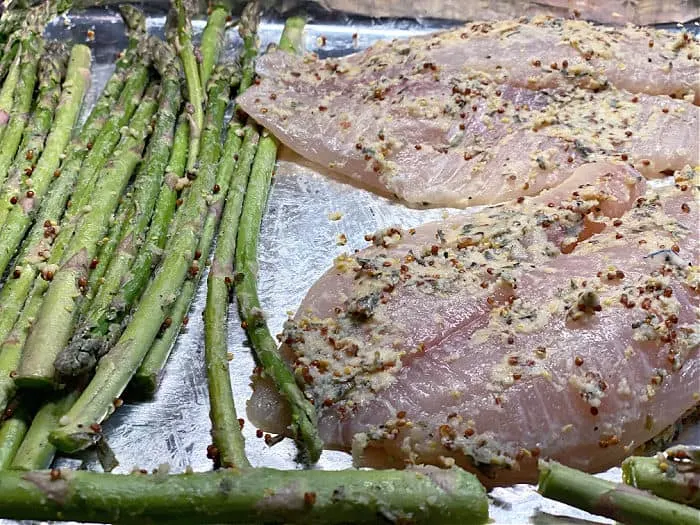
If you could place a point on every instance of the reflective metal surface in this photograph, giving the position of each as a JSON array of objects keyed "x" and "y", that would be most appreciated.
[{"x": 298, "y": 242}]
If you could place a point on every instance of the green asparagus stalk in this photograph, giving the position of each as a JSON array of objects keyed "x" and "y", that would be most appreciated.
[
  {"x": 74, "y": 87},
  {"x": 8, "y": 90},
  {"x": 212, "y": 42},
  {"x": 54, "y": 324},
  {"x": 146, "y": 379},
  {"x": 116, "y": 368},
  {"x": 93, "y": 335},
  {"x": 673, "y": 475},
  {"x": 11, "y": 349},
  {"x": 36, "y": 451},
  {"x": 7, "y": 59},
  {"x": 292, "y": 39},
  {"x": 12, "y": 432},
  {"x": 32, "y": 47},
  {"x": 194, "y": 86},
  {"x": 415, "y": 495},
  {"x": 229, "y": 448},
  {"x": 51, "y": 71},
  {"x": 36, "y": 248},
  {"x": 248, "y": 27},
  {"x": 303, "y": 427},
  {"x": 613, "y": 500}
]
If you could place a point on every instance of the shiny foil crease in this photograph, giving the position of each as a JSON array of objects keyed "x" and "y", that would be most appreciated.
[{"x": 300, "y": 238}]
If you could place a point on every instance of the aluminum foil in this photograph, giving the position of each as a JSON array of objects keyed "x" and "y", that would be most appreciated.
[{"x": 300, "y": 237}]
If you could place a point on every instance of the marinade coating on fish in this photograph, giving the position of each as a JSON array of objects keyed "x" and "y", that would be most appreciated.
[
  {"x": 427, "y": 121},
  {"x": 477, "y": 341}
]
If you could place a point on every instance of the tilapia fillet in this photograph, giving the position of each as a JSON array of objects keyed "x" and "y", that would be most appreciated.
[
  {"x": 488, "y": 112},
  {"x": 478, "y": 341}
]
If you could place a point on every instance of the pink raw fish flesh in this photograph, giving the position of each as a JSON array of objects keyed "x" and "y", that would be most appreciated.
[
  {"x": 563, "y": 326},
  {"x": 488, "y": 112}
]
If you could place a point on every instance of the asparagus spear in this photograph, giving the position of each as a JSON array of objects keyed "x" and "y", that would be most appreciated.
[
  {"x": 115, "y": 369},
  {"x": 32, "y": 47},
  {"x": 229, "y": 448},
  {"x": 36, "y": 452},
  {"x": 12, "y": 432},
  {"x": 8, "y": 90},
  {"x": 416, "y": 495},
  {"x": 303, "y": 427},
  {"x": 194, "y": 86},
  {"x": 8, "y": 58},
  {"x": 212, "y": 42},
  {"x": 74, "y": 87},
  {"x": 11, "y": 349},
  {"x": 55, "y": 321},
  {"x": 613, "y": 500},
  {"x": 37, "y": 244},
  {"x": 674, "y": 474},
  {"x": 146, "y": 379},
  {"x": 51, "y": 71},
  {"x": 248, "y": 27},
  {"x": 91, "y": 339}
]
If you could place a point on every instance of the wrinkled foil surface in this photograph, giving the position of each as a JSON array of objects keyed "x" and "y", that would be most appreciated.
[{"x": 299, "y": 241}]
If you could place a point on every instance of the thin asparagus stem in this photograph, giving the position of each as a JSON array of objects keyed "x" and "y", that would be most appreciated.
[
  {"x": 304, "y": 425},
  {"x": 8, "y": 58},
  {"x": 12, "y": 432},
  {"x": 32, "y": 47},
  {"x": 74, "y": 87},
  {"x": 613, "y": 500},
  {"x": 54, "y": 324},
  {"x": 228, "y": 445},
  {"x": 51, "y": 71},
  {"x": 418, "y": 495},
  {"x": 11, "y": 349},
  {"x": 36, "y": 451},
  {"x": 212, "y": 42},
  {"x": 146, "y": 379},
  {"x": 116, "y": 368},
  {"x": 248, "y": 28},
  {"x": 673, "y": 475},
  {"x": 8, "y": 90},
  {"x": 194, "y": 86}
]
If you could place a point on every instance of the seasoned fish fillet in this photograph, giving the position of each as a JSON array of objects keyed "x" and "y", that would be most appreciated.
[
  {"x": 564, "y": 326},
  {"x": 451, "y": 121}
]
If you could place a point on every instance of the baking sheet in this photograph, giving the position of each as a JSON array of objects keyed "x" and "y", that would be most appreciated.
[{"x": 298, "y": 243}]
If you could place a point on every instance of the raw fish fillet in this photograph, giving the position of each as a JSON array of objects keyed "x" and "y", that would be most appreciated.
[
  {"x": 511, "y": 109},
  {"x": 563, "y": 326}
]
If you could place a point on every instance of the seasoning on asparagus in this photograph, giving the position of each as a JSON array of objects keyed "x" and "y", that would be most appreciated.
[
  {"x": 228, "y": 447},
  {"x": 116, "y": 368},
  {"x": 673, "y": 474},
  {"x": 613, "y": 500},
  {"x": 51, "y": 71},
  {"x": 37, "y": 245},
  {"x": 95, "y": 332},
  {"x": 416, "y": 495},
  {"x": 20, "y": 218},
  {"x": 54, "y": 324},
  {"x": 23, "y": 94},
  {"x": 146, "y": 378}
]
